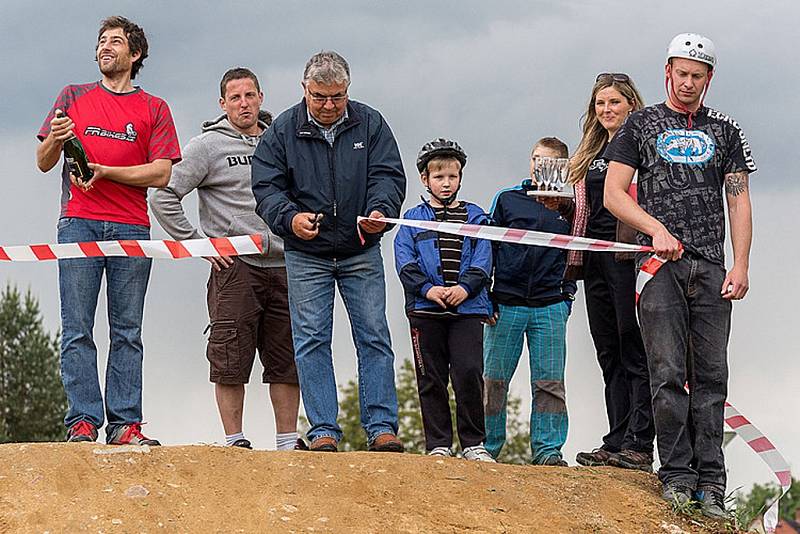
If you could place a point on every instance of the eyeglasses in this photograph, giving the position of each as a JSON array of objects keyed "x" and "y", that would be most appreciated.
[
  {"x": 322, "y": 99},
  {"x": 613, "y": 76}
]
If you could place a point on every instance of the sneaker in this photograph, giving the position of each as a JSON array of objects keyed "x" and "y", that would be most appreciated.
[
  {"x": 630, "y": 459},
  {"x": 82, "y": 431},
  {"x": 677, "y": 495},
  {"x": 324, "y": 444},
  {"x": 478, "y": 453},
  {"x": 300, "y": 445},
  {"x": 554, "y": 461},
  {"x": 712, "y": 504},
  {"x": 130, "y": 435},
  {"x": 441, "y": 451},
  {"x": 597, "y": 457},
  {"x": 386, "y": 442},
  {"x": 242, "y": 443}
]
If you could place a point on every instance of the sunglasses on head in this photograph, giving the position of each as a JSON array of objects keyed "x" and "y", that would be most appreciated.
[{"x": 613, "y": 76}]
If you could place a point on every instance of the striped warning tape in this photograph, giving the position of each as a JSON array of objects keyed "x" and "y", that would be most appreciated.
[
  {"x": 743, "y": 428},
  {"x": 150, "y": 248},
  {"x": 770, "y": 455},
  {"x": 517, "y": 235}
]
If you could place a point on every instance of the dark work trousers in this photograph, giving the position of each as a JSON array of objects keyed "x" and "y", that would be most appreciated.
[
  {"x": 685, "y": 326},
  {"x": 610, "y": 288},
  {"x": 449, "y": 349}
]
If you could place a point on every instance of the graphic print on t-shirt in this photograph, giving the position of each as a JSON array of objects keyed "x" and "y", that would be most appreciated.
[
  {"x": 128, "y": 135},
  {"x": 692, "y": 147}
]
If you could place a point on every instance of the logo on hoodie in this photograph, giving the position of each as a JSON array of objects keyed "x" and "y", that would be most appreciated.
[
  {"x": 129, "y": 134},
  {"x": 233, "y": 161}
]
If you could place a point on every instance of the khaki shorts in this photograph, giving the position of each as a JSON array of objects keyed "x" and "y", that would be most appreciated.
[{"x": 249, "y": 311}]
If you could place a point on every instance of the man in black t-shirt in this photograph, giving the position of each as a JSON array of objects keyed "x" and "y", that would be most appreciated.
[{"x": 685, "y": 153}]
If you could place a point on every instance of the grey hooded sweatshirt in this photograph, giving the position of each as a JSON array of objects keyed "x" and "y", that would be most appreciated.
[{"x": 217, "y": 164}]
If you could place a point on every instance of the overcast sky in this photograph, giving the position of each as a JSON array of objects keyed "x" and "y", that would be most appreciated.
[{"x": 495, "y": 76}]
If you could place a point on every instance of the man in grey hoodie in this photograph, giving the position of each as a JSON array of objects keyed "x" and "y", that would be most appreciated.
[{"x": 247, "y": 295}]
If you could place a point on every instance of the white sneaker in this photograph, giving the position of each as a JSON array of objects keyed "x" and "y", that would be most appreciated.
[
  {"x": 478, "y": 453},
  {"x": 441, "y": 451}
]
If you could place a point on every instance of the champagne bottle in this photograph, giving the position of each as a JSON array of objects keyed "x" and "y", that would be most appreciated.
[{"x": 76, "y": 157}]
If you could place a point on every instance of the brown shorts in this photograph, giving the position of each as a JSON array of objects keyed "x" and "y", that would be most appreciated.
[{"x": 249, "y": 310}]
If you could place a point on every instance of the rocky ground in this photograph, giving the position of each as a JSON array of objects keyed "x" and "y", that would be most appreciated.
[{"x": 63, "y": 487}]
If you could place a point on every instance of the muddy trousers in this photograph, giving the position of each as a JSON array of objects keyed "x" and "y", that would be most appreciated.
[
  {"x": 545, "y": 328},
  {"x": 685, "y": 326},
  {"x": 449, "y": 349}
]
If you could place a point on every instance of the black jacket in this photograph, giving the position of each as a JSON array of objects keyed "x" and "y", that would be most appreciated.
[
  {"x": 526, "y": 275},
  {"x": 296, "y": 170}
]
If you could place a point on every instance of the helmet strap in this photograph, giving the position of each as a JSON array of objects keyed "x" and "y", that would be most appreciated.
[
  {"x": 673, "y": 97},
  {"x": 447, "y": 200}
]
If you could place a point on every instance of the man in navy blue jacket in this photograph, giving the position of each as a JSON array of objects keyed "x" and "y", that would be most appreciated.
[
  {"x": 324, "y": 162},
  {"x": 534, "y": 301}
]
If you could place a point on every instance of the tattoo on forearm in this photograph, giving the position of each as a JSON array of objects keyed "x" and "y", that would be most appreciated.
[{"x": 736, "y": 183}]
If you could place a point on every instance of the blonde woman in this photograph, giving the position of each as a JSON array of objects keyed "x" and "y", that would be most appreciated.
[{"x": 610, "y": 285}]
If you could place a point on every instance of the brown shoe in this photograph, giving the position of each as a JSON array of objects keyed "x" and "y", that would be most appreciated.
[
  {"x": 597, "y": 457},
  {"x": 629, "y": 459},
  {"x": 324, "y": 444},
  {"x": 386, "y": 442}
]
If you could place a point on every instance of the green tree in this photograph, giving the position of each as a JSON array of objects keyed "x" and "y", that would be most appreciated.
[
  {"x": 516, "y": 450},
  {"x": 32, "y": 401},
  {"x": 755, "y": 502}
]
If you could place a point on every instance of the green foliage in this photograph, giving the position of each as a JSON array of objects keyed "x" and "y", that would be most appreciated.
[
  {"x": 32, "y": 401},
  {"x": 755, "y": 502},
  {"x": 516, "y": 450}
]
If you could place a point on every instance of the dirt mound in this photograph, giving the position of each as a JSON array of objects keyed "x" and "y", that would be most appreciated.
[{"x": 63, "y": 487}]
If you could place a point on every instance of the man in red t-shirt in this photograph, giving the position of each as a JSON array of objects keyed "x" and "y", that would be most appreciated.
[{"x": 131, "y": 144}]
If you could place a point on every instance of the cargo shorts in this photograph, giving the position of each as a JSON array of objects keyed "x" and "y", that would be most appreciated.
[{"x": 248, "y": 310}]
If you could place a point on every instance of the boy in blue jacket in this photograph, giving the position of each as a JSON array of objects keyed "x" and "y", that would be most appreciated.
[
  {"x": 445, "y": 278},
  {"x": 533, "y": 300}
]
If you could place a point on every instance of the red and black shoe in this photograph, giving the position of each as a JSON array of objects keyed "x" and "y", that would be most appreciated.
[
  {"x": 82, "y": 431},
  {"x": 130, "y": 434}
]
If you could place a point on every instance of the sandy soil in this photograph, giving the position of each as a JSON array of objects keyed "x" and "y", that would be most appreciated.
[{"x": 62, "y": 487}]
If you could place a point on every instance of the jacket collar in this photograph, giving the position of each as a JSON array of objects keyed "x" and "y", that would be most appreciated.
[{"x": 307, "y": 129}]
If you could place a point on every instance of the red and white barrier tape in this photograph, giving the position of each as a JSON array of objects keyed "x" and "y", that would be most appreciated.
[
  {"x": 517, "y": 235},
  {"x": 743, "y": 428},
  {"x": 762, "y": 446},
  {"x": 151, "y": 248}
]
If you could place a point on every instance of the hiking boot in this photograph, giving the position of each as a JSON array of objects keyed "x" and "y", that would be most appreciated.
[
  {"x": 386, "y": 442},
  {"x": 712, "y": 504},
  {"x": 82, "y": 431},
  {"x": 554, "y": 460},
  {"x": 242, "y": 444},
  {"x": 300, "y": 445},
  {"x": 596, "y": 458},
  {"x": 478, "y": 453},
  {"x": 441, "y": 451},
  {"x": 630, "y": 459},
  {"x": 677, "y": 495},
  {"x": 324, "y": 444},
  {"x": 129, "y": 435}
]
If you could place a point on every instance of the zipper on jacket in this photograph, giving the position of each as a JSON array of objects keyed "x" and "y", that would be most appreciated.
[{"x": 331, "y": 167}]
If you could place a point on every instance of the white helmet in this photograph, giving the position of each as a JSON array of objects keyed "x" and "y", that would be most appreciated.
[{"x": 693, "y": 46}]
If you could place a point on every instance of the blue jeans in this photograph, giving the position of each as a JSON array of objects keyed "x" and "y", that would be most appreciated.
[
  {"x": 79, "y": 287},
  {"x": 546, "y": 330},
  {"x": 685, "y": 327},
  {"x": 311, "y": 292}
]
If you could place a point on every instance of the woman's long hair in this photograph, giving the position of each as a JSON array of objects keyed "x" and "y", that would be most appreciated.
[{"x": 594, "y": 135}]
